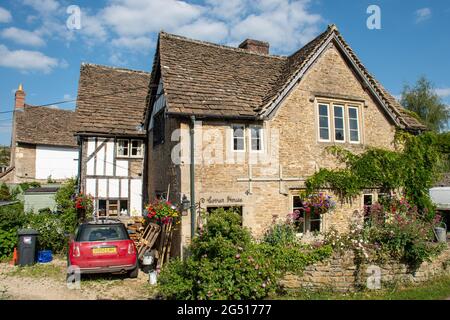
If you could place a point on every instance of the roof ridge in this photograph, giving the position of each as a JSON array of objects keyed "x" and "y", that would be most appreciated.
[
  {"x": 88, "y": 64},
  {"x": 221, "y": 46}
]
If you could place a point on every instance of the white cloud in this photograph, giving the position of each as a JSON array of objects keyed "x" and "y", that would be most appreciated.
[
  {"x": 204, "y": 29},
  {"x": 43, "y": 6},
  {"x": 22, "y": 36},
  {"x": 286, "y": 24},
  {"x": 423, "y": 14},
  {"x": 25, "y": 60},
  {"x": 134, "y": 44},
  {"x": 443, "y": 92},
  {"x": 139, "y": 17},
  {"x": 5, "y": 16},
  {"x": 117, "y": 59}
]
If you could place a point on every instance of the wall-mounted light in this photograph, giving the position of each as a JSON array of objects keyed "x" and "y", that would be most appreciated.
[{"x": 185, "y": 204}]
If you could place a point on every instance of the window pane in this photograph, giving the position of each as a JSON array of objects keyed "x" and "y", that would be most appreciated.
[
  {"x": 323, "y": 110},
  {"x": 339, "y": 136},
  {"x": 256, "y": 133},
  {"x": 353, "y": 124},
  {"x": 323, "y": 122},
  {"x": 122, "y": 148},
  {"x": 238, "y": 144},
  {"x": 256, "y": 144},
  {"x": 338, "y": 112},
  {"x": 238, "y": 132},
  {"x": 324, "y": 134},
  {"x": 123, "y": 206},
  {"x": 353, "y": 113},
  {"x": 136, "y": 148},
  {"x": 297, "y": 202},
  {"x": 354, "y": 135}
]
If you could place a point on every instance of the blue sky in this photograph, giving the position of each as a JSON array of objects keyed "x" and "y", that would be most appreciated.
[{"x": 38, "y": 50}]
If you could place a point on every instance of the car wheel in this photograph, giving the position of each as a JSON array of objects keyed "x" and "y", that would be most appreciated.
[{"x": 134, "y": 273}]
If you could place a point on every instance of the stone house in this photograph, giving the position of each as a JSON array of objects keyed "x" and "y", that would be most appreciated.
[
  {"x": 109, "y": 113},
  {"x": 43, "y": 145},
  {"x": 261, "y": 125}
]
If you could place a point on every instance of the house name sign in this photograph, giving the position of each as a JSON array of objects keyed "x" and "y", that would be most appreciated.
[{"x": 221, "y": 200}]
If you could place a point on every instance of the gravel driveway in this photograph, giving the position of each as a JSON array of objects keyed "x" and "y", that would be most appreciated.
[{"x": 47, "y": 282}]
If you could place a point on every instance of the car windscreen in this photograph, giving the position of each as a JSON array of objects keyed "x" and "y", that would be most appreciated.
[{"x": 114, "y": 232}]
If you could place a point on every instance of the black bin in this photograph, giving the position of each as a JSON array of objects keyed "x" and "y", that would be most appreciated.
[{"x": 27, "y": 246}]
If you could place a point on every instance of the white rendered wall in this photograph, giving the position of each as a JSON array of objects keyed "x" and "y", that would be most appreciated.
[
  {"x": 136, "y": 196},
  {"x": 57, "y": 162}
]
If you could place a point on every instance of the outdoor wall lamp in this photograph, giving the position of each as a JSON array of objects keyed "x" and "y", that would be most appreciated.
[{"x": 185, "y": 204}]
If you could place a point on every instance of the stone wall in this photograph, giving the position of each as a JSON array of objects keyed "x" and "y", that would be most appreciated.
[
  {"x": 25, "y": 163},
  {"x": 340, "y": 273}
]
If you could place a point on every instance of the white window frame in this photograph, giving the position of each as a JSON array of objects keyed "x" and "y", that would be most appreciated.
[
  {"x": 342, "y": 106},
  {"x": 117, "y": 151},
  {"x": 307, "y": 218},
  {"x": 233, "y": 126},
  {"x": 140, "y": 148},
  {"x": 319, "y": 104},
  {"x": 349, "y": 107},
  {"x": 261, "y": 138}
]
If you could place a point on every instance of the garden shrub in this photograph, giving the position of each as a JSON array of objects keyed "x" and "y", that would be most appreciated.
[
  {"x": 51, "y": 231},
  {"x": 394, "y": 230},
  {"x": 226, "y": 263},
  {"x": 12, "y": 218},
  {"x": 281, "y": 234}
]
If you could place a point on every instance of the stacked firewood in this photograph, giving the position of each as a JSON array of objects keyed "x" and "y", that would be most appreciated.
[{"x": 135, "y": 227}]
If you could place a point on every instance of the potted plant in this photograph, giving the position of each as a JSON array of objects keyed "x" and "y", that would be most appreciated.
[
  {"x": 83, "y": 203},
  {"x": 162, "y": 212}
]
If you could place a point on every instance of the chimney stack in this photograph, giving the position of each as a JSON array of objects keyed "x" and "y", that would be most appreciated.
[
  {"x": 255, "y": 46},
  {"x": 20, "y": 98}
]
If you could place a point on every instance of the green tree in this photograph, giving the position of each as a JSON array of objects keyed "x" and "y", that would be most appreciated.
[
  {"x": 423, "y": 100},
  {"x": 4, "y": 156}
]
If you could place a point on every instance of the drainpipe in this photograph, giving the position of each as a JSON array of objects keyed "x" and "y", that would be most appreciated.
[
  {"x": 80, "y": 154},
  {"x": 192, "y": 171}
]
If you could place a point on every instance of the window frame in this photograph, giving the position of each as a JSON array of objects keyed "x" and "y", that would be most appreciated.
[
  {"x": 306, "y": 217},
  {"x": 319, "y": 104},
  {"x": 233, "y": 126},
  {"x": 141, "y": 148},
  {"x": 128, "y": 148},
  {"x": 261, "y": 138},
  {"x": 342, "y": 106},
  {"x": 107, "y": 205},
  {"x": 349, "y": 107}
]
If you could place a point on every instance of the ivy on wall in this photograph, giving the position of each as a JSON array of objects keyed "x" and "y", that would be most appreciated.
[{"x": 413, "y": 168}]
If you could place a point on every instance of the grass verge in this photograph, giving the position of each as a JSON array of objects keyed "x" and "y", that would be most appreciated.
[{"x": 436, "y": 289}]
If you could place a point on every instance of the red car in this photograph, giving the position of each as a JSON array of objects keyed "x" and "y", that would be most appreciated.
[{"x": 103, "y": 247}]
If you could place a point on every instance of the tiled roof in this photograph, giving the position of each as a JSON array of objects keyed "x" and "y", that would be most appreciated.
[
  {"x": 43, "y": 125},
  {"x": 111, "y": 100},
  {"x": 206, "y": 79}
]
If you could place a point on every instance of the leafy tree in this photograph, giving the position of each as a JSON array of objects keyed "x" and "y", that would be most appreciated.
[
  {"x": 426, "y": 104},
  {"x": 4, "y": 156},
  {"x": 5, "y": 194}
]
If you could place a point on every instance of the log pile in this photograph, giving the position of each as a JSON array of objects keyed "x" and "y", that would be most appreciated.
[{"x": 135, "y": 227}]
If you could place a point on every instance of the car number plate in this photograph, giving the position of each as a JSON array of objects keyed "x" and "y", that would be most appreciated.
[{"x": 104, "y": 250}]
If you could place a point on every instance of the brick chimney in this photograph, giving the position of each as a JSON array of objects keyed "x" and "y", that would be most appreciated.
[
  {"x": 20, "y": 98},
  {"x": 255, "y": 46}
]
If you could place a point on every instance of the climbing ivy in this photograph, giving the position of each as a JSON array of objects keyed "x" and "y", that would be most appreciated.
[{"x": 413, "y": 169}]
